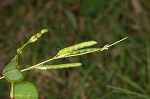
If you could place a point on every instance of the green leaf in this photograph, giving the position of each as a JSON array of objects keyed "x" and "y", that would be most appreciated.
[
  {"x": 13, "y": 75},
  {"x": 58, "y": 66},
  {"x": 70, "y": 49},
  {"x": 83, "y": 51},
  {"x": 25, "y": 90},
  {"x": 12, "y": 64}
]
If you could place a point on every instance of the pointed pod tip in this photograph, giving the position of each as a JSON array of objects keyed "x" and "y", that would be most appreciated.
[
  {"x": 94, "y": 42},
  {"x": 125, "y": 38},
  {"x": 44, "y": 30},
  {"x": 79, "y": 64}
]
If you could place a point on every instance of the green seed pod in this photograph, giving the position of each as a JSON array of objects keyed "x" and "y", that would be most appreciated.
[
  {"x": 83, "y": 51},
  {"x": 76, "y": 47},
  {"x": 44, "y": 67},
  {"x": 38, "y": 35}
]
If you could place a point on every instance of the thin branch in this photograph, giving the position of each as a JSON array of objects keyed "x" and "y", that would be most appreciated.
[
  {"x": 12, "y": 91},
  {"x": 32, "y": 67},
  {"x": 107, "y": 46},
  {"x": 1, "y": 77},
  {"x": 117, "y": 42}
]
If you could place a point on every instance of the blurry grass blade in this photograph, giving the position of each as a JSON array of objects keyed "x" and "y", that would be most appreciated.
[
  {"x": 121, "y": 90},
  {"x": 130, "y": 82},
  {"x": 83, "y": 51},
  {"x": 89, "y": 7},
  {"x": 148, "y": 58},
  {"x": 71, "y": 18},
  {"x": 76, "y": 47},
  {"x": 59, "y": 66}
]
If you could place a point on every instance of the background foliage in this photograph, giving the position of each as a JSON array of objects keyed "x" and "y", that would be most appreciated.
[{"x": 127, "y": 65}]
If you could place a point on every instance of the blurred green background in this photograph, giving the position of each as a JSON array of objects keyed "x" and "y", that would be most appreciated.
[{"x": 125, "y": 65}]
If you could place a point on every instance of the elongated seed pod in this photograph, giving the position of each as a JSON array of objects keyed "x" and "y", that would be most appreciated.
[
  {"x": 59, "y": 66},
  {"x": 83, "y": 51},
  {"x": 76, "y": 47}
]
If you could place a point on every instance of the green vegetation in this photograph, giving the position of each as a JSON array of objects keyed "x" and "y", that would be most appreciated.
[
  {"x": 25, "y": 90},
  {"x": 121, "y": 72}
]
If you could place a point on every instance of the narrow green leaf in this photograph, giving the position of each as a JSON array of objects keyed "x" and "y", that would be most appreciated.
[
  {"x": 83, "y": 51},
  {"x": 132, "y": 83},
  {"x": 92, "y": 7},
  {"x": 126, "y": 91},
  {"x": 25, "y": 90},
  {"x": 58, "y": 66},
  {"x": 13, "y": 75},
  {"x": 72, "y": 19},
  {"x": 76, "y": 47}
]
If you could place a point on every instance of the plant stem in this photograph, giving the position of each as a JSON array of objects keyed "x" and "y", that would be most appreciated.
[
  {"x": 20, "y": 49},
  {"x": 24, "y": 45},
  {"x": 117, "y": 42},
  {"x": 1, "y": 77},
  {"x": 12, "y": 91},
  {"x": 32, "y": 67},
  {"x": 107, "y": 46},
  {"x": 121, "y": 90}
]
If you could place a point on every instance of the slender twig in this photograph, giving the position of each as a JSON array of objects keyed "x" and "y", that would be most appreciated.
[
  {"x": 121, "y": 90},
  {"x": 12, "y": 91},
  {"x": 107, "y": 46},
  {"x": 32, "y": 67},
  {"x": 117, "y": 42},
  {"x": 19, "y": 50},
  {"x": 1, "y": 77}
]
